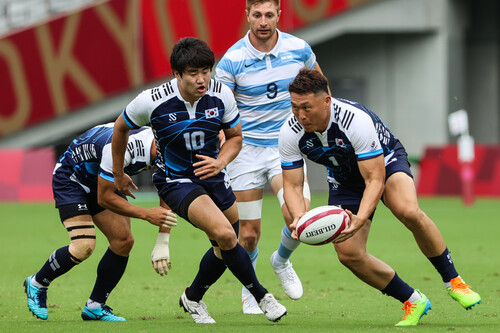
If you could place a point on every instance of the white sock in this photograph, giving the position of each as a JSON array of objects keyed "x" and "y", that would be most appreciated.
[
  {"x": 414, "y": 297},
  {"x": 93, "y": 304}
]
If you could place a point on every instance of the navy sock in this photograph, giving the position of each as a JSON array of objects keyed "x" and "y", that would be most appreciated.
[
  {"x": 238, "y": 262},
  {"x": 398, "y": 289},
  {"x": 444, "y": 266},
  {"x": 58, "y": 263},
  {"x": 109, "y": 272},
  {"x": 211, "y": 269}
]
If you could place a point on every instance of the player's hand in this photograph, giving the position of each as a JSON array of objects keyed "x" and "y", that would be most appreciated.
[
  {"x": 207, "y": 167},
  {"x": 293, "y": 226},
  {"x": 124, "y": 184},
  {"x": 160, "y": 257},
  {"x": 355, "y": 224},
  {"x": 161, "y": 217}
]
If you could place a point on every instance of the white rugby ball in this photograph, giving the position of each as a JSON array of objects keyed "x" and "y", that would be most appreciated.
[{"x": 322, "y": 225}]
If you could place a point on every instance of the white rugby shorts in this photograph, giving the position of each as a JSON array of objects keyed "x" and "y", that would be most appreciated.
[{"x": 254, "y": 167}]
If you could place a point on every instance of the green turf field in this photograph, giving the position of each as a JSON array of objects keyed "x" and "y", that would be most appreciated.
[{"x": 334, "y": 300}]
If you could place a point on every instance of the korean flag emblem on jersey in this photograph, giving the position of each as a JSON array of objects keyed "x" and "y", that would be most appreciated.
[{"x": 212, "y": 113}]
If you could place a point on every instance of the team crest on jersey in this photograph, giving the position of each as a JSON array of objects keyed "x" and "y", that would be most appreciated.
[
  {"x": 339, "y": 142},
  {"x": 212, "y": 113}
]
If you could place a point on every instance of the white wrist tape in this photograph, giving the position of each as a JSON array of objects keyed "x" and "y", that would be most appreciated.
[{"x": 163, "y": 238}]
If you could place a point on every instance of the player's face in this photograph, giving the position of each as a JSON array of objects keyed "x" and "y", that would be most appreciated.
[
  {"x": 263, "y": 19},
  {"x": 312, "y": 110},
  {"x": 193, "y": 83}
]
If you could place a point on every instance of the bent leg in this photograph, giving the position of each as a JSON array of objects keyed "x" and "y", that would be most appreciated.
[
  {"x": 401, "y": 198},
  {"x": 112, "y": 265}
]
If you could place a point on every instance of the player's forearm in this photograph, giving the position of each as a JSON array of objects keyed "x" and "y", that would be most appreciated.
[
  {"x": 118, "y": 148},
  {"x": 230, "y": 150},
  {"x": 119, "y": 205},
  {"x": 294, "y": 199},
  {"x": 370, "y": 199}
]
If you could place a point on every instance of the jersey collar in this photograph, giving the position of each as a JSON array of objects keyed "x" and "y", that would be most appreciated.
[{"x": 258, "y": 54}]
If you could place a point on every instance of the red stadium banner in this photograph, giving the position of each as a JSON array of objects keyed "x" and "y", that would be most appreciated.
[
  {"x": 440, "y": 171},
  {"x": 75, "y": 60},
  {"x": 26, "y": 174}
]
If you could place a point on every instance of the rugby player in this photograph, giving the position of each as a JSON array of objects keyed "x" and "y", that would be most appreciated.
[
  {"x": 365, "y": 163},
  {"x": 86, "y": 197},
  {"x": 186, "y": 115},
  {"x": 258, "y": 68}
]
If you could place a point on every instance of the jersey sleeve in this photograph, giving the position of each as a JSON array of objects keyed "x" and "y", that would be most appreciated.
[
  {"x": 138, "y": 112},
  {"x": 363, "y": 137},
  {"x": 309, "y": 57},
  {"x": 290, "y": 155},
  {"x": 224, "y": 73},
  {"x": 106, "y": 166},
  {"x": 231, "y": 115}
]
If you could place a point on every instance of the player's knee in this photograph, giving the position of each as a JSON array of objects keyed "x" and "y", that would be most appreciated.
[
  {"x": 412, "y": 217},
  {"x": 249, "y": 238},
  {"x": 226, "y": 238},
  {"x": 350, "y": 259},
  {"x": 123, "y": 244},
  {"x": 81, "y": 249}
]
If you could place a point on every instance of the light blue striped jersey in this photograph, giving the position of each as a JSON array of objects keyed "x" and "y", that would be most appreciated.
[{"x": 260, "y": 84}]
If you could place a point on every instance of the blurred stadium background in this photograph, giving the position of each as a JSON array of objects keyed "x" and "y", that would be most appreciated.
[{"x": 67, "y": 65}]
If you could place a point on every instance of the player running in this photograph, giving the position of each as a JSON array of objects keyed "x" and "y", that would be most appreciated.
[
  {"x": 187, "y": 114},
  {"x": 258, "y": 68},
  {"x": 85, "y": 195},
  {"x": 365, "y": 163}
]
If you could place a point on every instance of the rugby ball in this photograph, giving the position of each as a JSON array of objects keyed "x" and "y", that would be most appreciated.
[{"x": 322, "y": 225}]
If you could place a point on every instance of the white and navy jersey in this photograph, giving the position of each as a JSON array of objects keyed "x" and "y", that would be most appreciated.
[
  {"x": 181, "y": 130},
  {"x": 89, "y": 156},
  {"x": 354, "y": 134},
  {"x": 260, "y": 84}
]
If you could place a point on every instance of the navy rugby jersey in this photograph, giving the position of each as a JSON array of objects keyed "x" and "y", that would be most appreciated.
[
  {"x": 354, "y": 134},
  {"x": 181, "y": 130},
  {"x": 89, "y": 155}
]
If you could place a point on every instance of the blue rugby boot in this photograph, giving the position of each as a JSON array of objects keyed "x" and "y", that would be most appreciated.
[
  {"x": 37, "y": 299},
  {"x": 101, "y": 313}
]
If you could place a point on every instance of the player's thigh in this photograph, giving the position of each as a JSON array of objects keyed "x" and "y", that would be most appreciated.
[
  {"x": 204, "y": 214},
  {"x": 400, "y": 195},
  {"x": 355, "y": 247},
  {"x": 114, "y": 226}
]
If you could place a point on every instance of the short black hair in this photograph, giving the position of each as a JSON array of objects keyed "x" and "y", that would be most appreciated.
[
  {"x": 308, "y": 81},
  {"x": 191, "y": 52}
]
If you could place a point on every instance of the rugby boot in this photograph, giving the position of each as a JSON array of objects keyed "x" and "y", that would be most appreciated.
[{"x": 462, "y": 293}]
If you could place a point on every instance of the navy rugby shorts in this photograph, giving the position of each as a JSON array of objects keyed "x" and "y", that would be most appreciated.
[
  {"x": 351, "y": 195},
  {"x": 72, "y": 199},
  {"x": 178, "y": 194}
]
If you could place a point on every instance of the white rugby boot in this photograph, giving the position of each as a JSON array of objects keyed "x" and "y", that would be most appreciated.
[
  {"x": 249, "y": 303},
  {"x": 271, "y": 308},
  {"x": 197, "y": 310},
  {"x": 289, "y": 279}
]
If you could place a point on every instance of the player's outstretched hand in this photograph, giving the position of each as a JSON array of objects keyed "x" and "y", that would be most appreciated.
[
  {"x": 207, "y": 167},
  {"x": 293, "y": 226},
  {"x": 161, "y": 217},
  {"x": 355, "y": 224},
  {"x": 160, "y": 257},
  {"x": 124, "y": 184}
]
